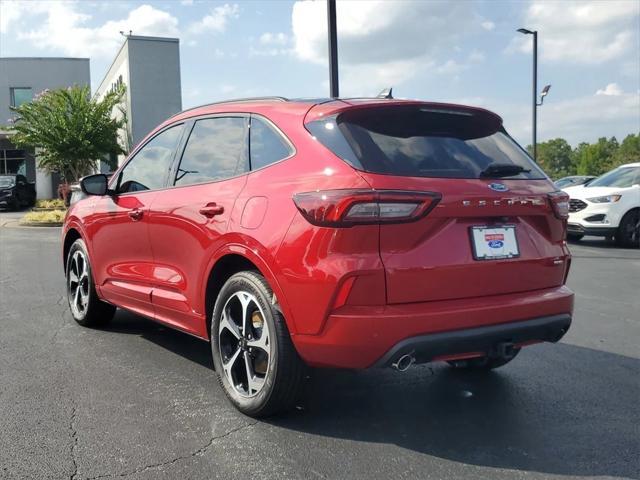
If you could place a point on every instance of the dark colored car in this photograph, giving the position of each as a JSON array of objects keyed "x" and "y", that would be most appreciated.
[
  {"x": 16, "y": 192},
  {"x": 573, "y": 180},
  {"x": 326, "y": 233}
]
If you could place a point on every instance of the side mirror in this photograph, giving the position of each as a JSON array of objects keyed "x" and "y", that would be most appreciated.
[{"x": 95, "y": 184}]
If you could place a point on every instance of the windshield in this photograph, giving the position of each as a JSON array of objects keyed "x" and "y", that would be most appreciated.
[
  {"x": 419, "y": 141},
  {"x": 622, "y": 177},
  {"x": 7, "y": 182}
]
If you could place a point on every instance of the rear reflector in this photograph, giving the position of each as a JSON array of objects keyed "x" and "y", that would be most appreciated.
[
  {"x": 345, "y": 208},
  {"x": 560, "y": 204}
]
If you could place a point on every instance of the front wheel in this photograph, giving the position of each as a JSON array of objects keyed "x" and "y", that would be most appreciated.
[
  {"x": 574, "y": 237},
  {"x": 86, "y": 307},
  {"x": 628, "y": 234},
  {"x": 254, "y": 358}
]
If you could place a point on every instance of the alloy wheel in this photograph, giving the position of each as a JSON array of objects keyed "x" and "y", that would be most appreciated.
[
  {"x": 78, "y": 284},
  {"x": 245, "y": 348}
]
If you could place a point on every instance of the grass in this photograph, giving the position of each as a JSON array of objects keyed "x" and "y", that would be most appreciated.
[
  {"x": 53, "y": 216},
  {"x": 53, "y": 203}
]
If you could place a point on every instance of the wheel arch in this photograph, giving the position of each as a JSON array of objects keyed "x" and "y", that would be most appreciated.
[
  {"x": 232, "y": 259},
  {"x": 70, "y": 236}
]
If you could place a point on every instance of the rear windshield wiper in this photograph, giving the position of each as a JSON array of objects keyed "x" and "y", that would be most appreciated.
[{"x": 498, "y": 170}]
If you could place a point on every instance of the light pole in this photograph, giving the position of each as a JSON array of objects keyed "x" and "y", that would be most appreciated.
[
  {"x": 535, "y": 82},
  {"x": 545, "y": 90},
  {"x": 333, "y": 48}
]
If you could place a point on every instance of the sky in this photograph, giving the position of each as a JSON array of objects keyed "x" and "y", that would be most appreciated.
[{"x": 455, "y": 51}]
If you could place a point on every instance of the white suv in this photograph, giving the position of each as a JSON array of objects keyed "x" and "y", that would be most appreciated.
[{"x": 608, "y": 206}]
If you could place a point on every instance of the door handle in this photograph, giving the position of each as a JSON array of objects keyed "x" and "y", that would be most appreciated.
[
  {"x": 135, "y": 214},
  {"x": 211, "y": 210}
]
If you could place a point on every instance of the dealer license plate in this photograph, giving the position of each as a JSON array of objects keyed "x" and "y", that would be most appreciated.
[{"x": 492, "y": 243}]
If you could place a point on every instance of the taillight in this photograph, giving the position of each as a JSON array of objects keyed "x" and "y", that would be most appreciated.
[
  {"x": 345, "y": 208},
  {"x": 560, "y": 204}
]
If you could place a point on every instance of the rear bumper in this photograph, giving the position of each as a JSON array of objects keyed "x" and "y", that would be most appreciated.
[
  {"x": 481, "y": 340},
  {"x": 362, "y": 337}
]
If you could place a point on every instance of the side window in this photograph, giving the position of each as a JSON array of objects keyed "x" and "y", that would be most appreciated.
[
  {"x": 148, "y": 169},
  {"x": 216, "y": 149},
  {"x": 267, "y": 145}
]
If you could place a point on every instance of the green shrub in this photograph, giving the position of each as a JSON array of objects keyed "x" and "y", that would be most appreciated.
[
  {"x": 53, "y": 203},
  {"x": 54, "y": 216}
]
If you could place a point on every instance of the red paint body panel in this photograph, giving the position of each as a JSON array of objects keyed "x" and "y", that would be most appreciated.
[{"x": 348, "y": 294}]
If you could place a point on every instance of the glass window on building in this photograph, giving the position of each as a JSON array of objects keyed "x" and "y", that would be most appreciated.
[{"x": 20, "y": 95}]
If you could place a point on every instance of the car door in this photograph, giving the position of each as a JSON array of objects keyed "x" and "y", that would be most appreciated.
[
  {"x": 22, "y": 190},
  {"x": 118, "y": 229},
  {"x": 187, "y": 222}
]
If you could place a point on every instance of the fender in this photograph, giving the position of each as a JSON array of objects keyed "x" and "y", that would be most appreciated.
[{"x": 258, "y": 255}]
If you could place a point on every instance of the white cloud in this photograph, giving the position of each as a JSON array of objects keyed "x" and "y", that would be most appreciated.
[
  {"x": 64, "y": 28},
  {"x": 581, "y": 32},
  {"x": 381, "y": 43},
  {"x": 580, "y": 119},
  {"x": 477, "y": 56},
  {"x": 488, "y": 25},
  {"x": 10, "y": 12},
  {"x": 450, "y": 67},
  {"x": 217, "y": 20},
  {"x": 612, "y": 89},
  {"x": 186, "y": 3},
  {"x": 269, "y": 38}
]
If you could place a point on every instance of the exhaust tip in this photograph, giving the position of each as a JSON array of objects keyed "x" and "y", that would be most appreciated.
[{"x": 404, "y": 362}]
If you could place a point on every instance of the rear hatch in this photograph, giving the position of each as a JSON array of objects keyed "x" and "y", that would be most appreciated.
[{"x": 495, "y": 228}]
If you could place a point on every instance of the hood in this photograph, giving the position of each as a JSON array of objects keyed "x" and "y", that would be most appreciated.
[{"x": 581, "y": 192}]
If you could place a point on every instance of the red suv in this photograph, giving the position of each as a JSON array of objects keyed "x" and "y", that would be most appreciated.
[{"x": 330, "y": 233}]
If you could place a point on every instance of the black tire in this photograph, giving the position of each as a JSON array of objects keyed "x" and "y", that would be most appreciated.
[
  {"x": 574, "y": 237},
  {"x": 276, "y": 370},
  {"x": 86, "y": 307},
  {"x": 483, "y": 363},
  {"x": 628, "y": 233}
]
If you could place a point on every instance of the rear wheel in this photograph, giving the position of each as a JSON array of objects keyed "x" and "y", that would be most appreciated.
[
  {"x": 484, "y": 363},
  {"x": 574, "y": 237},
  {"x": 628, "y": 234},
  {"x": 86, "y": 308},
  {"x": 255, "y": 360}
]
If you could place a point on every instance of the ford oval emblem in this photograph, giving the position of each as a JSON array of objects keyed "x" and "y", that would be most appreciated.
[
  {"x": 496, "y": 244},
  {"x": 498, "y": 187}
]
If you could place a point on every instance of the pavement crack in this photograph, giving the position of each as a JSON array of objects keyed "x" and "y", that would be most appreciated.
[
  {"x": 200, "y": 451},
  {"x": 74, "y": 443}
]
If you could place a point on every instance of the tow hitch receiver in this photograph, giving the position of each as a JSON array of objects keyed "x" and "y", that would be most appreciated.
[{"x": 503, "y": 350}]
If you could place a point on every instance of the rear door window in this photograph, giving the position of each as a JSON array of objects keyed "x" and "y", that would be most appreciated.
[
  {"x": 216, "y": 149},
  {"x": 419, "y": 141},
  {"x": 267, "y": 144}
]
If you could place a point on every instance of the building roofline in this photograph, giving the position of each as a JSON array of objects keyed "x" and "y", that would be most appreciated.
[
  {"x": 126, "y": 39},
  {"x": 45, "y": 58}
]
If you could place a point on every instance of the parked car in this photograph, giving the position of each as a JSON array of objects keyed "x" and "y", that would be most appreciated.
[
  {"x": 608, "y": 206},
  {"x": 326, "y": 233},
  {"x": 16, "y": 192},
  {"x": 573, "y": 180}
]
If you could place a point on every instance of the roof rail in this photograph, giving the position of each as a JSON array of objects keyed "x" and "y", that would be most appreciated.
[{"x": 234, "y": 100}]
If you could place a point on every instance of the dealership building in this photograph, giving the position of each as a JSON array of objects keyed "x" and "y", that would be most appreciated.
[
  {"x": 20, "y": 80},
  {"x": 149, "y": 67}
]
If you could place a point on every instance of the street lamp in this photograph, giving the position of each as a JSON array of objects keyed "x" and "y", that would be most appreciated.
[
  {"x": 545, "y": 91},
  {"x": 333, "y": 48}
]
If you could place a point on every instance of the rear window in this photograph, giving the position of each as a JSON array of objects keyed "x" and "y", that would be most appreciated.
[{"x": 416, "y": 141}]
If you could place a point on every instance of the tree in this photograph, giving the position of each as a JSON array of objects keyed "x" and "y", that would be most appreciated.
[
  {"x": 596, "y": 158},
  {"x": 555, "y": 157},
  {"x": 628, "y": 152},
  {"x": 72, "y": 130}
]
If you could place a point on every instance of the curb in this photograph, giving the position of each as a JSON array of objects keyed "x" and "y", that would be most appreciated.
[{"x": 39, "y": 224}]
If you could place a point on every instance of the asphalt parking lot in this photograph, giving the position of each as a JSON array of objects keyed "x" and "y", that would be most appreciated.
[{"x": 140, "y": 401}]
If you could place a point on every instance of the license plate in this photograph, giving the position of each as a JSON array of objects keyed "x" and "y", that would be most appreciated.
[{"x": 493, "y": 243}]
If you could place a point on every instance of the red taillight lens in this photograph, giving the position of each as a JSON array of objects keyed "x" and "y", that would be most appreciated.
[
  {"x": 560, "y": 204},
  {"x": 345, "y": 208}
]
